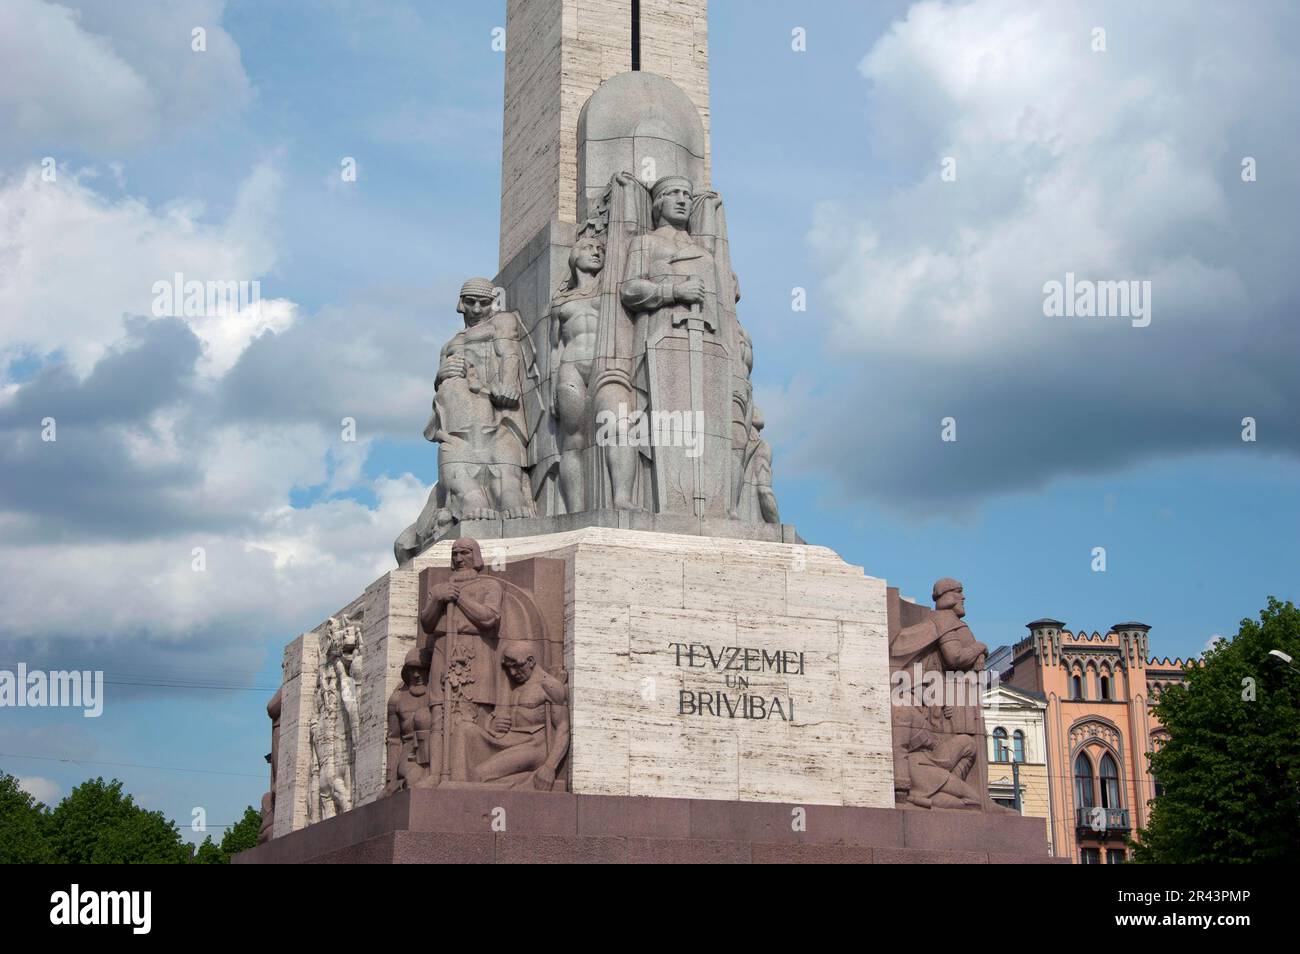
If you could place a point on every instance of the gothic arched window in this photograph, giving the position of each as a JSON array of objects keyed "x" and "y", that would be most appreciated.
[
  {"x": 1084, "y": 796},
  {"x": 1018, "y": 746},
  {"x": 1109, "y": 782}
]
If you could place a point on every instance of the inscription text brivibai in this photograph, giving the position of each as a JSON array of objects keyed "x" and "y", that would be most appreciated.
[{"x": 734, "y": 662}]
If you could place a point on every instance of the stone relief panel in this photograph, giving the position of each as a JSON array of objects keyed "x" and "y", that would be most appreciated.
[
  {"x": 484, "y": 699},
  {"x": 335, "y": 719}
]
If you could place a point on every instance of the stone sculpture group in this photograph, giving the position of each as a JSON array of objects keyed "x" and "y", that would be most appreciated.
[
  {"x": 478, "y": 704},
  {"x": 647, "y": 404}
]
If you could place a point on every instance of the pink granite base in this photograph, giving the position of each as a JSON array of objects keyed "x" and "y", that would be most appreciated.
[{"x": 456, "y": 827}]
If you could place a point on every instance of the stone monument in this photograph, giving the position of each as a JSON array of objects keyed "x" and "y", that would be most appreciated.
[
  {"x": 599, "y": 631},
  {"x": 936, "y": 665},
  {"x": 273, "y": 759},
  {"x": 334, "y": 722},
  {"x": 616, "y": 319},
  {"x": 410, "y": 727}
]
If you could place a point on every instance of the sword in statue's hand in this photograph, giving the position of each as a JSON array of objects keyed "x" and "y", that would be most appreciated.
[{"x": 696, "y": 324}]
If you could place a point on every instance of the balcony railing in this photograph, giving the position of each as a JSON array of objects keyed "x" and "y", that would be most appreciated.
[{"x": 1102, "y": 820}]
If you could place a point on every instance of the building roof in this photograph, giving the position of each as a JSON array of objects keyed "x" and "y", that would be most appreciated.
[
  {"x": 1029, "y": 695},
  {"x": 1045, "y": 622}
]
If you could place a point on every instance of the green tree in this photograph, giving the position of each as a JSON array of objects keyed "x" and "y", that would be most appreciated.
[
  {"x": 22, "y": 826},
  {"x": 209, "y": 853},
  {"x": 1230, "y": 771},
  {"x": 98, "y": 824},
  {"x": 243, "y": 835},
  {"x": 239, "y": 837}
]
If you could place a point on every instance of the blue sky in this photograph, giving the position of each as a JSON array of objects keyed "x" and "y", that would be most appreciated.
[{"x": 924, "y": 302}]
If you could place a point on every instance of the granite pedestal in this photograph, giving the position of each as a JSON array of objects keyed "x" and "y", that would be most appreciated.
[{"x": 485, "y": 827}]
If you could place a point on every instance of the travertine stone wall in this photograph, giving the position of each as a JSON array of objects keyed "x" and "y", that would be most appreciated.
[
  {"x": 557, "y": 53},
  {"x": 388, "y": 632},
  {"x": 629, "y": 594},
  {"x": 675, "y": 44},
  {"x": 295, "y": 746}
]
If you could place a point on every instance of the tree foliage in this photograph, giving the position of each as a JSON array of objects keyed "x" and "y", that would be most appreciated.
[
  {"x": 98, "y": 824},
  {"x": 22, "y": 819},
  {"x": 239, "y": 837},
  {"x": 1231, "y": 768}
]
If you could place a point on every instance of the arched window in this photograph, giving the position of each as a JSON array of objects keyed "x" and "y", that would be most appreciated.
[
  {"x": 1076, "y": 687},
  {"x": 1105, "y": 687},
  {"x": 1000, "y": 744},
  {"x": 1109, "y": 782},
  {"x": 1018, "y": 746},
  {"x": 1083, "y": 793}
]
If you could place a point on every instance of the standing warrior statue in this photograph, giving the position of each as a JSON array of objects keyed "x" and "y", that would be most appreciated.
[
  {"x": 410, "y": 723},
  {"x": 665, "y": 346},
  {"x": 462, "y": 619},
  {"x": 481, "y": 419}
]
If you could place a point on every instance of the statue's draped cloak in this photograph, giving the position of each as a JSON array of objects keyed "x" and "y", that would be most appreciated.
[{"x": 642, "y": 363}]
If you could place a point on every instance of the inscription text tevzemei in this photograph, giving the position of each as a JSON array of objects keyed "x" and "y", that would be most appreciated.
[{"x": 736, "y": 660}]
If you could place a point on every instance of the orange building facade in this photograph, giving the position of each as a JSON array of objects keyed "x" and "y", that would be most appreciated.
[{"x": 1099, "y": 728}]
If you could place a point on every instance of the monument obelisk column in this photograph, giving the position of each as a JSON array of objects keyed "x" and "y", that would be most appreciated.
[{"x": 558, "y": 52}]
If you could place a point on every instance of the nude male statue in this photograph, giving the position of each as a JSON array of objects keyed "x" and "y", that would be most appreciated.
[{"x": 575, "y": 313}]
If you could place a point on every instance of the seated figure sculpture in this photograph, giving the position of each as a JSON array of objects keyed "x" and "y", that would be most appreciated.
[
  {"x": 937, "y": 746},
  {"x": 528, "y": 736}
]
